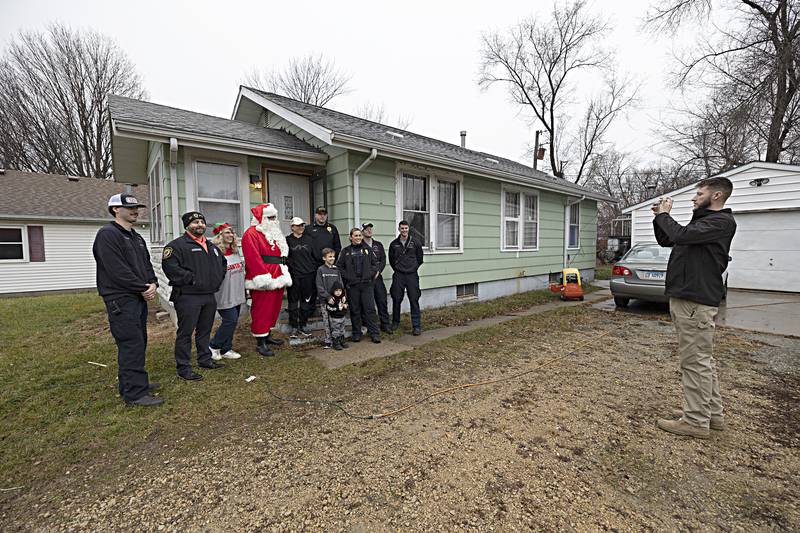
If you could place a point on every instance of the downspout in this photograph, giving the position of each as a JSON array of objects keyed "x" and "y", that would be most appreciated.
[
  {"x": 356, "y": 187},
  {"x": 566, "y": 226},
  {"x": 173, "y": 185}
]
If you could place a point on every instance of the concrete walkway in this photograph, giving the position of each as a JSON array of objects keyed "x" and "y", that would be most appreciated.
[{"x": 366, "y": 349}]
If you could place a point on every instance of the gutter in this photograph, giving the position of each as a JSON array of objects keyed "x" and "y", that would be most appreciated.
[
  {"x": 357, "y": 186},
  {"x": 173, "y": 185},
  {"x": 566, "y": 227}
]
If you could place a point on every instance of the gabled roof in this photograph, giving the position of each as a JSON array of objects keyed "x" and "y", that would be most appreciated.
[
  {"x": 343, "y": 129},
  {"x": 161, "y": 117},
  {"x": 55, "y": 197}
]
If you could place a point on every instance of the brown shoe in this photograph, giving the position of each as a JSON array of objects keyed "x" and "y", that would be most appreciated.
[
  {"x": 717, "y": 422},
  {"x": 680, "y": 427}
]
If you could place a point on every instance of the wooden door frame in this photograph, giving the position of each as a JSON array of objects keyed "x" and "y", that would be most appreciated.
[{"x": 266, "y": 169}]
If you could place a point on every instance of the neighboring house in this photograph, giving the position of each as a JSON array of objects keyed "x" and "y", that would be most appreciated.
[
  {"x": 47, "y": 228},
  {"x": 766, "y": 204},
  {"x": 490, "y": 226}
]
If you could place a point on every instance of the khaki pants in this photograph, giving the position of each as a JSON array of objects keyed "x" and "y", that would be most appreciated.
[{"x": 694, "y": 324}]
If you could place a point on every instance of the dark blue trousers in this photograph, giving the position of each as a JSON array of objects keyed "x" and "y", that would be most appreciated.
[
  {"x": 223, "y": 338},
  {"x": 127, "y": 319},
  {"x": 406, "y": 283},
  {"x": 195, "y": 315}
]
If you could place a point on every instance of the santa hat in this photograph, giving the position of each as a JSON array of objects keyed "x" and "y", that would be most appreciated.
[
  {"x": 219, "y": 226},
  {"x": 264, "y": 210}
]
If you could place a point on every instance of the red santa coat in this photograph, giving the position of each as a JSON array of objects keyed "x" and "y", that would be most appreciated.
[{"x": 265, "y": 281}]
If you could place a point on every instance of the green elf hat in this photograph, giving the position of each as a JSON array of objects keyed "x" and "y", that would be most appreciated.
[{"x": 219, "y": 226}]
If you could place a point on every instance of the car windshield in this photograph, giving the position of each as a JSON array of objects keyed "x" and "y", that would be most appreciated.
[{"x": 649, "y": 253}]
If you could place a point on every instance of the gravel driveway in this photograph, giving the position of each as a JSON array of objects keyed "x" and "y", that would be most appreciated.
[{"x": 572, "y": 446}]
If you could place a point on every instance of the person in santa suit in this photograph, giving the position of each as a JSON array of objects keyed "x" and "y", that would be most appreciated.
[{"x": 266, "y": 274}]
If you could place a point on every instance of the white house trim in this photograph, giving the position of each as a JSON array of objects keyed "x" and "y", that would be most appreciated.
[
  {"x": 192, "y": 157},
  {"x": 523, "y": 191},
  {"x": 24, "y": 237},
  {"x": 323, "y": 134}
]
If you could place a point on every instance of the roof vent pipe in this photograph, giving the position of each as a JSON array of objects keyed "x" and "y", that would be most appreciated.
[{"x": 463, "y": 138}]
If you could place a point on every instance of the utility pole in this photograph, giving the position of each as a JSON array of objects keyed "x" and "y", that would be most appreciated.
[{"x": 536, "y": 149}]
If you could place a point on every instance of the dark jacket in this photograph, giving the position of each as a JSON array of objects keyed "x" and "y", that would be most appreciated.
[
  {"x": 405, "y": 258},
  {"x": 325, "y": 236},
  {"x": 303, "y": 259},
  {"x": 358, "y": 264},
  {"x": 380, "y": 255},
  {"x": 699, "y": 254},
  {"x": 326, "y": 278},
  {"x": 123, "y": 262},
  {"x": 192, "y": 270}
]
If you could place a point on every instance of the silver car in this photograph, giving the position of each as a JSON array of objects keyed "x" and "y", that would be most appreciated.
[{"x": 640, "y": 274}]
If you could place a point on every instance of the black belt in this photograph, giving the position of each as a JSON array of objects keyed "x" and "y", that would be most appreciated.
[{"x": 273, "y": 260}]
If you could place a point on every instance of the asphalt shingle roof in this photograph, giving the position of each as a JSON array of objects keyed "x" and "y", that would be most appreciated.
[
  {"x": 138, "y": 112},
  {"x": 372, "y": 131},
  {"x": 53, "y": 195}
]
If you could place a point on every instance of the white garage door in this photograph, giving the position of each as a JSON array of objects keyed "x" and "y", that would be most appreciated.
[{"x": 766, "y": 252}]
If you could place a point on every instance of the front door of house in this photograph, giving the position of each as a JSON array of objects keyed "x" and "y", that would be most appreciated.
[{"x": 289, "y": 194}]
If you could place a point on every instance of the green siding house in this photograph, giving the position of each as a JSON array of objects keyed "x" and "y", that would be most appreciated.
[{"x": 490, "y": 226}]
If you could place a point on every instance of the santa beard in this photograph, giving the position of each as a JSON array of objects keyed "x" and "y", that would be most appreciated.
[{"x": 271, "y": 229}]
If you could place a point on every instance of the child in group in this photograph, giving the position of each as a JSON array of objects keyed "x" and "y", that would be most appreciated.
[
  {"x": 336, "y": 306},
  {"x": 328, "y": 276}
]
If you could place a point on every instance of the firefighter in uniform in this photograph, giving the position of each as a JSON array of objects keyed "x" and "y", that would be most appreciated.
[
  {"x": 405, "y": 257},
  {"x": 381, "y": 302},
  {"x": 126, "y": 282},
  {"x": 196, "y": 269},
  {"x": 324, "y": 234}
]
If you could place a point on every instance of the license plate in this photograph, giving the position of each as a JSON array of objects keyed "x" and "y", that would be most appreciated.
[{"x": 653, "y": 275}]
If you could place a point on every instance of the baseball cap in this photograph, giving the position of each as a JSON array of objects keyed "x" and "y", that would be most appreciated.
[
  {"x": 124, "y": 200},
  {"x": 366, "y": 225},
  {"x": 321, "y": 209},
  {"x": 297, "y": 221}
]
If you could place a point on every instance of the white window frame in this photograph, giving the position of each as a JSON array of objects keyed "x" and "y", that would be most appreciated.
[
  {"x": 433, "y": 176},
  {"x": 193, "y": 200},
  {"x": 157, "y": 231},
  {"x": 522, "y": 191},
  {"x": 25, "y": 253},
  {"x": 569, "y": 225}
]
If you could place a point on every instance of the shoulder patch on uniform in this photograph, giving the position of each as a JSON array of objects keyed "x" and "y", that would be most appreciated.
[{"x": 167, "y": 253}]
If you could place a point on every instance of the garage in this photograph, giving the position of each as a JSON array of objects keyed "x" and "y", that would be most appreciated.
[{"x": 766, "y": 252}]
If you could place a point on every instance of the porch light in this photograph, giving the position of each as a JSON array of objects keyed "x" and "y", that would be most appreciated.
[{"x": 255, "y": 182}]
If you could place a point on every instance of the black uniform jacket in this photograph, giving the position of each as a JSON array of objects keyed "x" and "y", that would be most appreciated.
[
  {"x": 699, "y": 254},
  {"x": 324, "y": 236},
  {"x": 405, "y": 258},
  {"x": 349, "y": 261},
  {"x": 380, "y": 255},
  {"x": 123, "y": 262},
  {"x": 192, "y": 270},
  {"x": 303, "y": 257}
]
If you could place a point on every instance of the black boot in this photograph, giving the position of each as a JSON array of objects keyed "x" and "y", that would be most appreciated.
[
  {"x": 342, "y": 343},
  {"x": 263, "y": 348},
  {"x": 337, "y": 343},
  {"x": 269, "y": 339}
]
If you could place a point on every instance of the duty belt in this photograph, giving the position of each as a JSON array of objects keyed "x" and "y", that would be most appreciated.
[{"x": 273, "y": 260}]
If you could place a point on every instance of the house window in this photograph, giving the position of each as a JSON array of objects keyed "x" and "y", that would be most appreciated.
[
  {"x": 520, "y": 213},
  {"x": 432, "y": 205},
  {"x": 12, "y": 244},
  {"x": 574, "y": 225},
  {"x": 218, "y": 194},
  {"x": 156, "y": 199},
  {"x": 468, "y": 290}
]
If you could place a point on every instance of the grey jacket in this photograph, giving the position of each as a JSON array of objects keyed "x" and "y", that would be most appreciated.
[{"x": 326, "y": 277}]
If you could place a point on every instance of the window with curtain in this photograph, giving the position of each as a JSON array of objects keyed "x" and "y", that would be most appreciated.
[
  {"x": 448, "y": 225},
  {"x": 511, "y": 219},
  {"x": 156, "y": 220},
  {"x": 218, "y": 194},
  {"x": 520, "y": 220},
  {"x": 574, "y": 225},
  {"x": 415, "y": 206}
]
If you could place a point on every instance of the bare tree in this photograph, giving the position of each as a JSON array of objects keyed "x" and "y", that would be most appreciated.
[
  {"x": 754, "y": 58},
  {"x": 311, "y": 79},
  {"x": 54, "y": 89},
  {"x": 538, "y": 61},
  {"x": 377, "y": 113}
]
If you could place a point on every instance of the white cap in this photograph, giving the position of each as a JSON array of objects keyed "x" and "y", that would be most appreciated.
[{"x": 297, "y": 221}]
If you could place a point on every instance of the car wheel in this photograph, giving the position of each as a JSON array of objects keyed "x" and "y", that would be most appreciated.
[{"x": 621, "y": 302}]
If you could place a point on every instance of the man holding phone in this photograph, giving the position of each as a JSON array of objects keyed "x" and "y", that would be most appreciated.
[{"x": 695, "y": 289}]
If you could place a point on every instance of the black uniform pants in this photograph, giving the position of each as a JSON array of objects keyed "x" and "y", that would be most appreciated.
[
  {"x": 127, "y": 318},
  {"x": 302, "y": 296},
  {"x": 381, "y": 302},
  {"x": 361, "y": 298},
  {"x": 195, "y": 315},
  {"x": 406, "y": 283}
]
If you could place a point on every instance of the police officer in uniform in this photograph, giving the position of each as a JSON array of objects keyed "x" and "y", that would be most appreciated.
[
  {"x": 405, "y": 257},
  {"x": 379, "y": 287},
  {"x": 196, "y": 269},
  {"x": 324, "y": 234},
  {"x": 126, "y": 281}
]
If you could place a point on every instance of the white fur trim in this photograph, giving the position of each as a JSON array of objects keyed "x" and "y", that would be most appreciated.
[
  {"x": 270, "y": 211},
  {"x": 272, "y": 232},
  {"x": 265, "y": 282}
]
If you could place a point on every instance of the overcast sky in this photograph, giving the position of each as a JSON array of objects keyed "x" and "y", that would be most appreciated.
[{"x": 417, "y": 58}]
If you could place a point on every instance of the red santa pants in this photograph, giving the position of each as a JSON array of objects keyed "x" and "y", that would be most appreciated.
[{"x": 264, "y": 311}]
